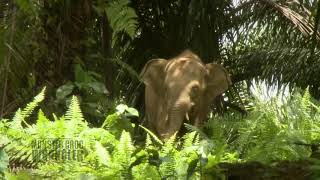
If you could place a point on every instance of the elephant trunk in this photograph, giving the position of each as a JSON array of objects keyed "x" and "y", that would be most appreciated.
[{"x": 176, "y": 115}]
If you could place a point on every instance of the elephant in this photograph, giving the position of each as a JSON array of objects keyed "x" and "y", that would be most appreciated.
[{"x": 180, "y": 89}]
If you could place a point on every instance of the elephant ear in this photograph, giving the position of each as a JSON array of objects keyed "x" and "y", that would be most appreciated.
[
  {"x": 217, "y": 80},
  {"x": 153, "y": 74}
]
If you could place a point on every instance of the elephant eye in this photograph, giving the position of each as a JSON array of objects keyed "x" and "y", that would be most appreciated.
[{"x": 194, "y": 91}]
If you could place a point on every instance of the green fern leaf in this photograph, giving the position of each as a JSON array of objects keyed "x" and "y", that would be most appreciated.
[
  {"x": 20, "y": 115},
  {"x": 170, "y": 143},
  {"x": 123, "y": 155},
  {"x": 16, "y": 121},
  {"x": 74, "y": 112},
  {"x": 102, "y": 153},
  {"x": 305, "y": 101},
  {"x": 32, "y": 105},
  {"x": 145, "y": 171},
  {"x": 4, "y": 162},
  {"x": 190, "y": 139},
  {"x": 43, "y": 125},
  {"x": 148, "y": 142},
  {"x": 125, "y": 145},
  {"x": 60, "y": 128},
  {"x": 122, "y": 18},
  {"x": 152, "y": 135}
]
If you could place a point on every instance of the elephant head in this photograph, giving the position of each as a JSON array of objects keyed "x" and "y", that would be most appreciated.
[{"x": 179, "y": 89}]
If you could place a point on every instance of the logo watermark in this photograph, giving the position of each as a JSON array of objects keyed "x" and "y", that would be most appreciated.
[{"x": 57, "y": 149}]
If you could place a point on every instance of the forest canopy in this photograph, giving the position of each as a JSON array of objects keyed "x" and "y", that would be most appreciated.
[{"x": 72, "y": 46}]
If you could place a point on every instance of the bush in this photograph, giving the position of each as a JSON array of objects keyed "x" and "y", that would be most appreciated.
[{"x": 270, "y": 132}]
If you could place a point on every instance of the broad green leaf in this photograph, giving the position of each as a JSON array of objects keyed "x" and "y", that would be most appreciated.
[
  {"x": 64, "y": 90},
  {"x": 132, "y": 112},
  {"x": 80, "y": 74},
  {"x": 121, "y": 108},
  {"x": 98, "y": 87}
]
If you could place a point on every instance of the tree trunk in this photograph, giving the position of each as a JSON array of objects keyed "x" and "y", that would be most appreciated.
[
  {"x": 106, "y": 36},
  {"x": 7, "y": 60},
  {"x": 65, "y": 37}
]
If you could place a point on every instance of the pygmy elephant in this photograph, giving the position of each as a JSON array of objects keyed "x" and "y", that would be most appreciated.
[{"x": 180, "y": 89}]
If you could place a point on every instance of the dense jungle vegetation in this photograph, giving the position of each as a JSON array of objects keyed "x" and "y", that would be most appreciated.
[{"x": 69, "y": 73}]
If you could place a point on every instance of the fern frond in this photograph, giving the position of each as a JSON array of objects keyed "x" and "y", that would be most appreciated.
[
  {"x": 168, "y": 155},
  {"x": 123, "y": 154},
  {"x": 102, "y": 154},
  {"x": 122, "y": 18},
  {"x": 74, "y": 121},
  {"x": 60, "y": 128},
  {"x": 20, "y": 149},
  {"x": 16, "y": 121},
  {"x": 145, "y": 171},
  {"x": 43, "y": 125},
  {"x": 193, "y": 128},
  {"x": 20, "y": 115},
  {"x": 190, "y": 139},
  {"x": 152, "y": 135},
  {"x": 74, "y": 112},
  {"x": 148, "y": 142},
  {"x": 32, "y": 105},
  {"x": 170, "y": 143},
  {"x": 305, "y": 100},
  {"x": 167, "y": 167},
  {"x": 125, "y": 145}
]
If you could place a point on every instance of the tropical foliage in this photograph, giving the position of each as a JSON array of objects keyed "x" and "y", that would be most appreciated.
[
  {"x": 46, "y": 43},
  {"x": 89, "y": 53},
  {"x": 285, "y": 131}
]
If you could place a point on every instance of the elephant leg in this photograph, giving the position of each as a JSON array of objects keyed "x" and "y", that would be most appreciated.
[{"x": 152, "y": 112}]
